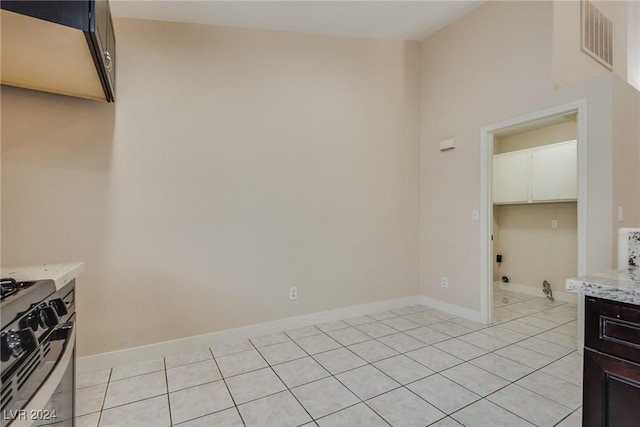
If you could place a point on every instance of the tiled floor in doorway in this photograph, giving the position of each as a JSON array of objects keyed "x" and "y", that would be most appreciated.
[{"x": 409, "y": 367}]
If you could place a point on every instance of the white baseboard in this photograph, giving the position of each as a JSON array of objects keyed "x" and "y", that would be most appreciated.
[
  {"x": 467, "y": 313},
  {"x": 167, "y": 348},
  {"x": 529, "y": 290}
]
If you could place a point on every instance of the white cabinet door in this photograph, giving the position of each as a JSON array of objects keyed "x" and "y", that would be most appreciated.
[
  {"x": 554, "y": 172},
  {"x": 511, "y": 177}
]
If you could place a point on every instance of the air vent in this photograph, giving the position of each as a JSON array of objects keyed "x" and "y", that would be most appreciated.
[{"x": 597, "y": 34}]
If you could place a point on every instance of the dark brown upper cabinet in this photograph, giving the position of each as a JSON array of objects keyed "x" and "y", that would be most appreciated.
[{"x": 65, "y": 47}]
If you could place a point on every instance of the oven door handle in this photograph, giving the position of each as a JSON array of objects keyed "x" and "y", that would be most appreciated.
[{"x": 48, "y": 387}]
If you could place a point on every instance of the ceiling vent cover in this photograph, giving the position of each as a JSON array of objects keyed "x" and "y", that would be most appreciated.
[{"x": 597, "y": 34}]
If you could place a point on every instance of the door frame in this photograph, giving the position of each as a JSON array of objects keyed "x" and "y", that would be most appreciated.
[{"x": 486, "y": 205}]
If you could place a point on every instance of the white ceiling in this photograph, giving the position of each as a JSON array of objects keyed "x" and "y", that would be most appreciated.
[{"x": 408, "y": 20}]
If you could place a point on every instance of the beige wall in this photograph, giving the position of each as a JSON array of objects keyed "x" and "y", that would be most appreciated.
[
  {"x": 534, "y": 138},
  {"x": 626, "y": 155},
  {"x": 633, "y": 44},
  {"x": 234, "y": 164},
  {"x": 474, "y": 76},
  {"x": 532, "y": 251}
]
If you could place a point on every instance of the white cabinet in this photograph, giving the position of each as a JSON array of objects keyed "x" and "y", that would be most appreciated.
[
  {"x": 511, "y": 177},
  {"x": 542, "y": 174},
  {"x": 554, "y": 172}
]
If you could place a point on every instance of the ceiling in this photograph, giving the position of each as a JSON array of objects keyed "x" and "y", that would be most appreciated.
[{"x": 407, "y": 20}]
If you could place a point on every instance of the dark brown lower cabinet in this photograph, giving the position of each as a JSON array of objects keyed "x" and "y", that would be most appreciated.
[
  {"x": 611, "y": 394},
  {"x": 611, "y": 382}
]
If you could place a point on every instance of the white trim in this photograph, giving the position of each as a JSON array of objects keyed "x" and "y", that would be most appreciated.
[
  {"x": 467, "y": 313},
  {"x": 486, "y": 207},
  {"x": 559, "y": 295},
  {"x": 582, "y": 212},
  {"x": 158, "y": 350},
  {"x": 582, "y": 186},
  {"x": 486, "y": 227}
]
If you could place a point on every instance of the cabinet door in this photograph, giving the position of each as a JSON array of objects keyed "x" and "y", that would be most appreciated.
[
  {"x": 103, "y": 40},
  {"x": 611, "y": 391},
  {"x": 511, "y": 177},
  {"x": 554, "y": 172},
  {"x": 110, "y": 64},
  {"x": 101, "y": 22}
]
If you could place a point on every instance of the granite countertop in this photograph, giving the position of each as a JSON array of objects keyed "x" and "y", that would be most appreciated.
[
  {"x": 61, "y": 274},
  {"x": 622, "y": 284}
]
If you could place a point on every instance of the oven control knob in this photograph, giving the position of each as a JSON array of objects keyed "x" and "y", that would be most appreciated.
[
  {"x": 48, "y": 317},
  {"x": 14, "y": 343},
  {"x": 59, "y": 305},
  {"x": 30, "y": 321}
]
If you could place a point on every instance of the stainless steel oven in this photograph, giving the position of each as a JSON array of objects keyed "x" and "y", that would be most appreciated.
[{"x": 37, "y": 354}]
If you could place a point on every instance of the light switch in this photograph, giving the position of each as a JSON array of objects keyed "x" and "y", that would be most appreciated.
[
  {"x": 554, "y": 223},
  {"x": 475, "y": 214},
  {"x": 620, "y": 214}
]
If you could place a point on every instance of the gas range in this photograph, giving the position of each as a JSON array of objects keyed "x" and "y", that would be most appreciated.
[{"x": 37, "y": 342}]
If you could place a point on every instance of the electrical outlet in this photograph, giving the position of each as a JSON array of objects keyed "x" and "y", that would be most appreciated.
[
  {"x": 554, "y": 223},
  {"x": 293, "y": 292},
  {"x": 444, "y": 282}
]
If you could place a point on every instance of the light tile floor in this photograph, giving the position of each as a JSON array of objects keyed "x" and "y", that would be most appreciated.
[{"x": 413, "y": 366}]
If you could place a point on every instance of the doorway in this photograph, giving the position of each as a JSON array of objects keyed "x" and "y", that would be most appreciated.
[
  {"x": 534, "y": 195},
  {"x": 489, "y": 136}
]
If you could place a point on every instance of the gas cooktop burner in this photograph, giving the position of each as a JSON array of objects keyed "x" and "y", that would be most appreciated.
[{"x": 8, "y": 287}]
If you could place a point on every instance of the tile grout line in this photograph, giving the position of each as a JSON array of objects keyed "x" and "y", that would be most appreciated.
[
  {"x": 400, "y": 385},
  {"x": 164, "y": 364},
  {"x": 509, "y": 381},
  {"x": 280, "y": 379},
  {"x": 371, "y": 338},
  {"x": 166, "y": 382},
  {"x": 513, "y": 382},
  {"x": 331, "y": 374},
  {"x": 570, "y": 414},
  {"x": 492, "y": 352},
  {"x": 348, "y": 370},
  {"x": 128, "y": 403},
  {"x": 233, "y": 400},
  {"x": 105, "y": 398}
]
